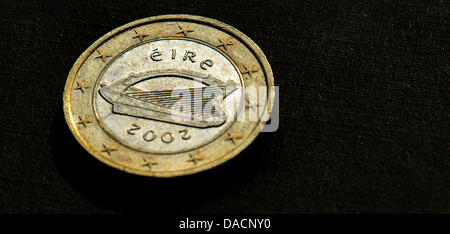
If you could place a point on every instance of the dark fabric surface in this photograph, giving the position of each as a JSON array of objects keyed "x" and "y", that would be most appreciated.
[{"x": 364, "y": 111}]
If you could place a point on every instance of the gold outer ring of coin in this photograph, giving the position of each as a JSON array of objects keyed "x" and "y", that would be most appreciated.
[{"x": 121, "y": 157}]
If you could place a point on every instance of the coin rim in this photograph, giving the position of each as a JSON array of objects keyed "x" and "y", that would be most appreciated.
[{"x": 252, "y": 46}]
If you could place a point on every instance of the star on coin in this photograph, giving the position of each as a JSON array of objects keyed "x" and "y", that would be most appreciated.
[
  {"x": 140, "y": 35},
  {"x": 233, "y": 137},
  {"x": 249, "y": 105},
  {"x": 108, "y": 149},
  {"x": 161, "y": 30},
  {"x": 224, "y": 45},
  {"x": 84, "y": 120},
  {"x": 149, "y": 163},
  {"x": 194, "y": 158},
  {"x": 102, "y": 55},
  {"x": 184, "y": 31},
  {"x": 247, "y": 71},
  {"x": 82, "y": 86}
]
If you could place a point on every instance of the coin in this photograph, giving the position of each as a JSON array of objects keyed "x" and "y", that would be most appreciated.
[{"x": 169, "y": 95}]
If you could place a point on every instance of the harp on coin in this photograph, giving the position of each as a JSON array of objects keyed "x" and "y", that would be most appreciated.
[{"x": 204, "y": 104}]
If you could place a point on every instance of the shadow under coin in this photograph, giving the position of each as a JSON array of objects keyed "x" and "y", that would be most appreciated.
[{"x": 120, "y": 191}]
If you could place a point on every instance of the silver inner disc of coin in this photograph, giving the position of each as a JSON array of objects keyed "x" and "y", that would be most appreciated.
[{"x": 135, "y": 95}]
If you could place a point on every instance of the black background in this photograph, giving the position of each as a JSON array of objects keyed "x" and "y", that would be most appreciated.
[{"x": 363, "y": 111}]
